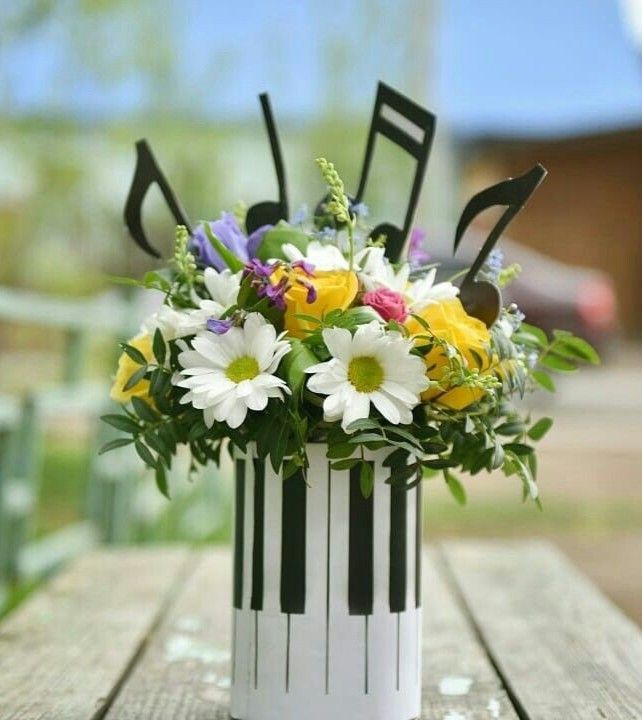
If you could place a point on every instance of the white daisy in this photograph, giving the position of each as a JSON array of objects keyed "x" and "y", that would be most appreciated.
[
  {"x": 375, "y": 271},
  {"x": 229, "y": 374},
  {"x": 424, "y": 292},
  {"x": 323, "y": 257},
  {"x": 370, "y": 366}
]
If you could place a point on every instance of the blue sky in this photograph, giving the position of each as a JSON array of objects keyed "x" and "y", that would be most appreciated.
[{"x": 542, "y": 68}]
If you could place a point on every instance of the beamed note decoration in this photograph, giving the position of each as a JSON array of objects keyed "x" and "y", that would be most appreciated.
[{"x": 408, "y": 126}]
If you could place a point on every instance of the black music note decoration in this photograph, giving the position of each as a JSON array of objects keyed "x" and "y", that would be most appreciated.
[
  {"x": 270, "y": 212},
  {"x": 146, "y": 174},
  {"x": 480, "y": 298},
  {"x": 423, "y": 121}
]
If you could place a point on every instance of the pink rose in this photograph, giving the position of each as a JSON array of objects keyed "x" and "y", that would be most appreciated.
[{"x": 388, "y": 303}]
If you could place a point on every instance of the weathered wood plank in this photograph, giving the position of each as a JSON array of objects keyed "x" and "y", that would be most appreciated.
[
  {"x": 565, "y": 651},
  {"x": 63, "y": 654},
  {"x": 459, "y": 681},
  {"x": 184, "y": 672}
]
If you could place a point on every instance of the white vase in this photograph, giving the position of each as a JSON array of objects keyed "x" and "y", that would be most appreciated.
[{"x": 327, "y": 615}]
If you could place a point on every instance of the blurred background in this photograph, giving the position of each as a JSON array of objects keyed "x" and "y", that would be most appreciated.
[{"x": 512, "y": 83}]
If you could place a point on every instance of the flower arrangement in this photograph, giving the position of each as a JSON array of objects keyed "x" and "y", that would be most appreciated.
[{"x": 304, "y": 332}]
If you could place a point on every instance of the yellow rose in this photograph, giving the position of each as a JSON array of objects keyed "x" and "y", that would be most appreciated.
[
  {"x": 127, "y": 367},
  {"x": 450, "y": 322},
  {"x": 335, "y": 289}
]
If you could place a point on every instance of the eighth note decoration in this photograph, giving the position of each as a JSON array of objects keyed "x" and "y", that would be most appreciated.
[{"x": 338, "y": 373}]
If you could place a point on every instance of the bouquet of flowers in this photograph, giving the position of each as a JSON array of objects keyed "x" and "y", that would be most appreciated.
[{"x": 304, "y": 332}]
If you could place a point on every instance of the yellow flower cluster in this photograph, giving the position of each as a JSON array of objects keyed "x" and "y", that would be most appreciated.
[{"x": 127, "y": 367}]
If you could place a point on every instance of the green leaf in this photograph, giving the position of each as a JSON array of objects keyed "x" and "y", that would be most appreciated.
[
  {"x": 143, "y": 410},
  {"x": 512, "y": 427},
  {"x": 440, "y": 463},
  {"x": 294, "y": 365},
  {"x": 228, "y": 257},
  {"x": 135, "y": 378},
  {"x": 365, "y": 438},
  {"x": 345, "y": 464},
  {"x": 498, "y": 456},
  {"x": 398, "y": 457},
  {"x": 543, "y": 379},
  {"x": 366, "y": 479},
  {"x": 540, "y": 428},
  {"x": 122, "y": 422},
  {"x": 113, "y": 444},
  {"x": 363, "y": 424},
  {"x": 340, "y": 450},
  {"x": 274, "y": 239},
  {"x": 536, "y": 333},
  {"x": 557, "y": 363},
  {"x": 457, "y": 490},
  {"x": 519, "y": 449},
  {"x": 135, "y": 354},
  {"x": 575, "y": 347},
  {"x": 161, "y": 480},
  {"x": 159, "y": 445},
  {"x": 145, "y": 454},
  {"x": 158, "y": 346}
]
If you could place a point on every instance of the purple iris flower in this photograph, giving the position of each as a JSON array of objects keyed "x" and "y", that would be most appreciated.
[
  {"x": 417, "y": 256},
  {"x": 255, "y": 239},
  {"x": 219, "y": 327},
  {"x": 228, "y": 232}
]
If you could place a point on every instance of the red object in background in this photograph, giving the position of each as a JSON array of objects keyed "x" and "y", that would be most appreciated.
[{"x": 552, "y": 294}]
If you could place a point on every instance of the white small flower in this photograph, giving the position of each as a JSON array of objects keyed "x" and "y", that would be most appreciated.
[
  {"x": 223, "y": 289},
  {"x": 168, "y": 320},
  {"x": 229, "y": 374},
  {"x": 371, "y": 366},
  {"x": 424, "y": 292},
  {"x": 323, "y": 257},
  {"x": 375, "y": 271}
]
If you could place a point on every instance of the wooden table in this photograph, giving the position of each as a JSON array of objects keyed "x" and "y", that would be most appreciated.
[{"x": 512, "y": 630}]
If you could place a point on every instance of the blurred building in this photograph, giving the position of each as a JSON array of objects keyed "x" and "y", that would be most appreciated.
[{"x": 560, "y": 84}]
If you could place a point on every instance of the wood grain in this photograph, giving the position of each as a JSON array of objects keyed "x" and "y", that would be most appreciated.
[
  {"x": 565, "y": 651},
  {"x": 185, "y": 670},
  {"x": 64, "y": 653},
  {"x": 453, "y": 659}
]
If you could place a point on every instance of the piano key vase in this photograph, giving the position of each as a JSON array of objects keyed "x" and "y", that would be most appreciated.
[{"x": 327, "y": 607}]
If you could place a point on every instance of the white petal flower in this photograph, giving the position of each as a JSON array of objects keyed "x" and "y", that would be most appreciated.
[
  {"x": 323, "y": 257},
  {"x": 424, "y": 292},
  {"x": 229, "y": 374},
  {"x": 371, "y": 366},
  {"x": 375, "y": 271},
  {"x": 168, "y": 320},
  {"x": 223, "y": 287}
]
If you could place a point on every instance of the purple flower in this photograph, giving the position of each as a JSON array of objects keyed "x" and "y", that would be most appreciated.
[
  {"x": 228, "y": 232},
  {"x": 255, "y": 240},
  {"x": 260, "y": 269},
  {"x": 417, "y": 256},
  {"x": 219, "y": 327},
  {"x": 275, "y": 293},
  {"x": 307, "y": 267},
  {"x": 312, "y": 291}
]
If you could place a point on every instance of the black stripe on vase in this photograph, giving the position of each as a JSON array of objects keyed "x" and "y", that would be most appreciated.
[
  {"x": 418, "y": 537},
  {"x": 256, "y": 602},
  {"x": 360, "y": 551},
  {"x": 239, "y": 530},
  {"x": 398, "y": 548},
  {"x": 293, "y": 522}
]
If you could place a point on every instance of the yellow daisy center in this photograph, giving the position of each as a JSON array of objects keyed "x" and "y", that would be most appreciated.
[
  {"x": 243, "y": 368},
  {"x": 365, "y": 373}
]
